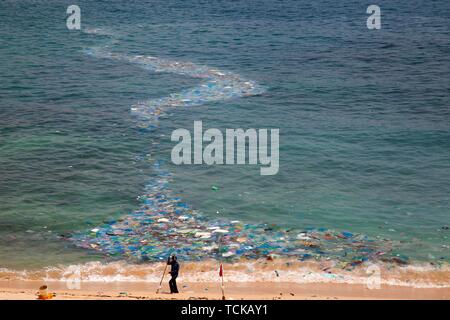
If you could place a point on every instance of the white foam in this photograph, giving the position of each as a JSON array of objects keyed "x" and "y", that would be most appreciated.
[{"x": 251, "y": 271}]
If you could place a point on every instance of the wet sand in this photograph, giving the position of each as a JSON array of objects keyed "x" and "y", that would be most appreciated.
[
  {"x": 26, "y": 290},
  {"x": 259, "y": 279}
]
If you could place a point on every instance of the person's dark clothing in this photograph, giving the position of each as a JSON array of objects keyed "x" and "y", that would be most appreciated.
[
  {"x": 174, "y": 268},
  {"x": 173, "y": 285}
]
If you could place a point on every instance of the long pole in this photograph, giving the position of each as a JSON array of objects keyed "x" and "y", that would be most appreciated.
[
  {"x": 162, "y": 278},
  {"x": 165, "y": 268}
]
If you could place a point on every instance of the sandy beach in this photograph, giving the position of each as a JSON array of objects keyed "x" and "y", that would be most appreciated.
[
  {"x": 26, "y": 290},
  {"x": 262, "y": 280}
]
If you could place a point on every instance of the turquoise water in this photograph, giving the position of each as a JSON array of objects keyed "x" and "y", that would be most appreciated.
[{"x": 363, "y": 117}]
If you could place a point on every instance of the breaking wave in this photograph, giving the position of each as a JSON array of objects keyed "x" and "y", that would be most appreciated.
[{"x": 245, "y": 271}]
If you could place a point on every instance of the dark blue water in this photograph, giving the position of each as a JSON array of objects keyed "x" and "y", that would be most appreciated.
[{"x": 363, "y": 118}]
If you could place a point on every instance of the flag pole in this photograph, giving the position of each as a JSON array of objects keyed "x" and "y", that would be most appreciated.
[
  {"x": 221, "y": 269},
  {"x": 223, "y": 293}
]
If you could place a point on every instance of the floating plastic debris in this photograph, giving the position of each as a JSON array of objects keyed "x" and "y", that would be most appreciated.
[
  {"x": 218, "y": 85},
  {"x": 203, "y": 235},
  {"x": 164, "y": 224},
  {"x": 220, "y": 231}
]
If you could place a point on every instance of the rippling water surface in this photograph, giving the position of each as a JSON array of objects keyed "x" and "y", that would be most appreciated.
[{"x": 363, "y": 117}]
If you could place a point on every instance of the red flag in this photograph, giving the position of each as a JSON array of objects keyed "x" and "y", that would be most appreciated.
[{"x": 221, "y": 271}]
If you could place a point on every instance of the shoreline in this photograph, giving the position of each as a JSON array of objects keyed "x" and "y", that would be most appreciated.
[
  {"x": 26, "y": 290},
  {"x": 258, "y": 279}
]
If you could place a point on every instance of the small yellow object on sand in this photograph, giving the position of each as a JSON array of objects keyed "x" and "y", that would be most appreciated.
[{"x": 43, "y": 294}]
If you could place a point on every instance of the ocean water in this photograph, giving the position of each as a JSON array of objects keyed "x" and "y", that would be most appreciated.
[{"x": 363, "y": 117}]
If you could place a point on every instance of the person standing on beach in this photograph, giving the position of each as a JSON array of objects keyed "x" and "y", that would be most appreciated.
[{"x": 174, "y": 268}]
